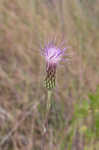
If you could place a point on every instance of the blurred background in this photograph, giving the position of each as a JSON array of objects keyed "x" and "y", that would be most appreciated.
[{"x": 73, "y": 123}]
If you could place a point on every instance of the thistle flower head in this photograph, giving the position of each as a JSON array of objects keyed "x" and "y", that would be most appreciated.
[{"x": 53, "y": 55}]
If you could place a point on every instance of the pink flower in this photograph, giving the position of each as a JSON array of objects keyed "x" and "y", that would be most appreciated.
[{"x": 53, "y": 55}]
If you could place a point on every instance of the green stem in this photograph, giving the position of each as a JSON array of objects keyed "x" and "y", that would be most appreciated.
[{"x": 49, "y": 100}]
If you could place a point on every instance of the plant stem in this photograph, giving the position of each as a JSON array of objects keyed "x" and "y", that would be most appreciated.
[{"x": 49, "y": 100}]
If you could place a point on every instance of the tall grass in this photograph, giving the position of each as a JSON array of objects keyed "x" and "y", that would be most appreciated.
[{"x": 24, "y": 26}]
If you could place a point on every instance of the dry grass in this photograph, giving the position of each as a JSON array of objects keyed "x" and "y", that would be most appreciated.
[{"x": 24, "y": 25}]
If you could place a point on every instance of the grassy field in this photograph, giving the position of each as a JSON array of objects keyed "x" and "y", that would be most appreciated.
[{"x": 73, "y": 121}]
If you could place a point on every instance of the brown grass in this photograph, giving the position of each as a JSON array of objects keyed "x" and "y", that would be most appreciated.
[{"x": 24, "y": 26}]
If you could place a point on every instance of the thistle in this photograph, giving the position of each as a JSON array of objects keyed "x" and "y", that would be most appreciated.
[{"x": 53, "y": 55}]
